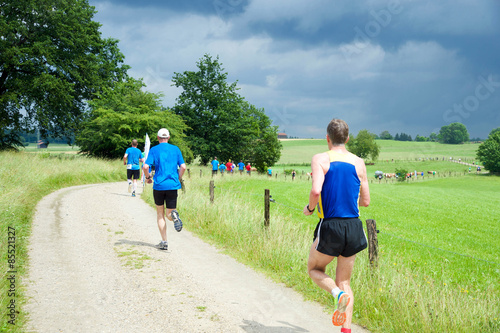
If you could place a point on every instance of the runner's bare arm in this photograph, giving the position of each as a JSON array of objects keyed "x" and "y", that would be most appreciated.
[
  {"x": 182, "y": 168},
  {"x": 145, "y": 169},
  {"x": 318, "y": 177},
  {"x": 364, "y": 195}
]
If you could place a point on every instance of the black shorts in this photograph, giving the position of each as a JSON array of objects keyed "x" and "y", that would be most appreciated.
[
  {"x": 168, "y": 198},
  {"x": 133, "y": 173},
  {"x": 340, "y": 236}
]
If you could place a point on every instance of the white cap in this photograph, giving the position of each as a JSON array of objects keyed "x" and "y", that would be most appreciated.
[{"x": 163, "y": 133}]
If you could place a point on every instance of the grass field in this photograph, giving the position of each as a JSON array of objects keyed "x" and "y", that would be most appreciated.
[
  {"x": 298, "y": 151},
  {"x": 53, "y": 148},
  {"x": 439, "y": 263}
]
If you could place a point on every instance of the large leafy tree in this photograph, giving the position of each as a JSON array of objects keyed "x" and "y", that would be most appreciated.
[
  {"x": 52, "y": 60},
  {"x": 489, "y": 152},
  {"x": 363, "y": 145},
  {"x": 124, "y": 113},
  {"x": 223, "y": 124},
  {"x": 453, "y": 133}
]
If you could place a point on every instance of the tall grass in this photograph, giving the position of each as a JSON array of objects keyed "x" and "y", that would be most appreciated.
[
  {"x": 25, "y": 178},
  {"x": 439, "y": 255}
]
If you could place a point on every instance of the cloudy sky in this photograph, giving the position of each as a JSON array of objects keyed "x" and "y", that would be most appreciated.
[{"x": 408, "y": 66}]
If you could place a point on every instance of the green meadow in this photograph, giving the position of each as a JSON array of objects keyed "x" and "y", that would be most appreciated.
[
  {"x": 53, "y": 148},
  {"x": 300, "y": 151},
  {"x": 439, "y": 255}
]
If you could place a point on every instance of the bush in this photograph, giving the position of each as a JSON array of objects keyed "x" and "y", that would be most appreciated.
[{"x": 401, "y": 173}]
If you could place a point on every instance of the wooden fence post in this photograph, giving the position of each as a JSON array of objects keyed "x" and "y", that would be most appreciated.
[
  {"x": 212, "y": 191},
  {"x": 266, "y": 207},
  {"x": 183, "y": 187},
  {"x": 189, "y": 173},
  {"x": 371, "y": 227}
]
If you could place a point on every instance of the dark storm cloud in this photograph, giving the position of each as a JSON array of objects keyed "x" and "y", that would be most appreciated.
[
  {"x": 225, "y": 8},
  {"x": 405, "y": 66}
]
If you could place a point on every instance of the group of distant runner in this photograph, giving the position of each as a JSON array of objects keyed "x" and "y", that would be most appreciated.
[
  {"x": 229, "y": 167},
  {"x": 339, "y": 187}
]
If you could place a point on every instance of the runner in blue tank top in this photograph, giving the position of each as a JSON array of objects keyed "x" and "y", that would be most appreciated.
[{"x": 339, "y": 187}]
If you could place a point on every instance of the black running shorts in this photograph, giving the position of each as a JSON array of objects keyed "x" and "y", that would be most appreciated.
[
  {"x": 167, "y": 198},
  {"x": 133, "y": 173},
  {"x": 340, "y": 236}
]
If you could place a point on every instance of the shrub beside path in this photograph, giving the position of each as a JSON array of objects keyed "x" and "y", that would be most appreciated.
[{"x": 94, "y": 268}]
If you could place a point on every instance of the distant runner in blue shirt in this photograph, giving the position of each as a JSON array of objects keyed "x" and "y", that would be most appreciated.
[
  {"x": 222, "y": 168},
  {"x": 241, "y": 167},
  {"x": 169, "y": 168},
  {"x": 215, "y": 166},
  {"x": 131, "y": 159}
]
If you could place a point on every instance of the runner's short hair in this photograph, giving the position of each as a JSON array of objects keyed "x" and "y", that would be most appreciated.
[{"x": 338, "y": 131}]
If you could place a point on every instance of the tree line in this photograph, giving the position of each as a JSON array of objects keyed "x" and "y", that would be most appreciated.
[
  {"x": 488, "y": 152},
  {"x": 455, "y": 133}
]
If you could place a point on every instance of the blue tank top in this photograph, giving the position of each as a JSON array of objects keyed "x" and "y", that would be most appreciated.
[{"x": 340, "y": 192}]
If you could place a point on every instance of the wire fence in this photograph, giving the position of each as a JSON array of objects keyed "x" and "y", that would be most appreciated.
[
  {"x": 295, "y": 209},
  {"x": 385, "y": 178}
]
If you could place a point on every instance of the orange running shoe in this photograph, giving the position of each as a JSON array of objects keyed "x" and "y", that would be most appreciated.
[{"x": 338, "y": 317}]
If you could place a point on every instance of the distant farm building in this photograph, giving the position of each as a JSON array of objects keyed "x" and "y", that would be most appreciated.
[{"x": 282, "y": 136}]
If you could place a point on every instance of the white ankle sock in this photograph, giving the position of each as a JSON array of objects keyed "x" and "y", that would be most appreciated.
[{"x": 336, "y": 291}]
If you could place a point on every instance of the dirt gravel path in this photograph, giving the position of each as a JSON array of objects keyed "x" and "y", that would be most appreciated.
[{"x": 94, "y": 268}]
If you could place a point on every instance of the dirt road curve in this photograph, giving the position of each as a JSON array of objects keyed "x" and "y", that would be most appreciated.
[{"x": 94, "y": 268}]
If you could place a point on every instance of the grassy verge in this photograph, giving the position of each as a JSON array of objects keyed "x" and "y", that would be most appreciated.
[
  {"x": 24, "y": 179},
  {"x": 439, "y": 263}
]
